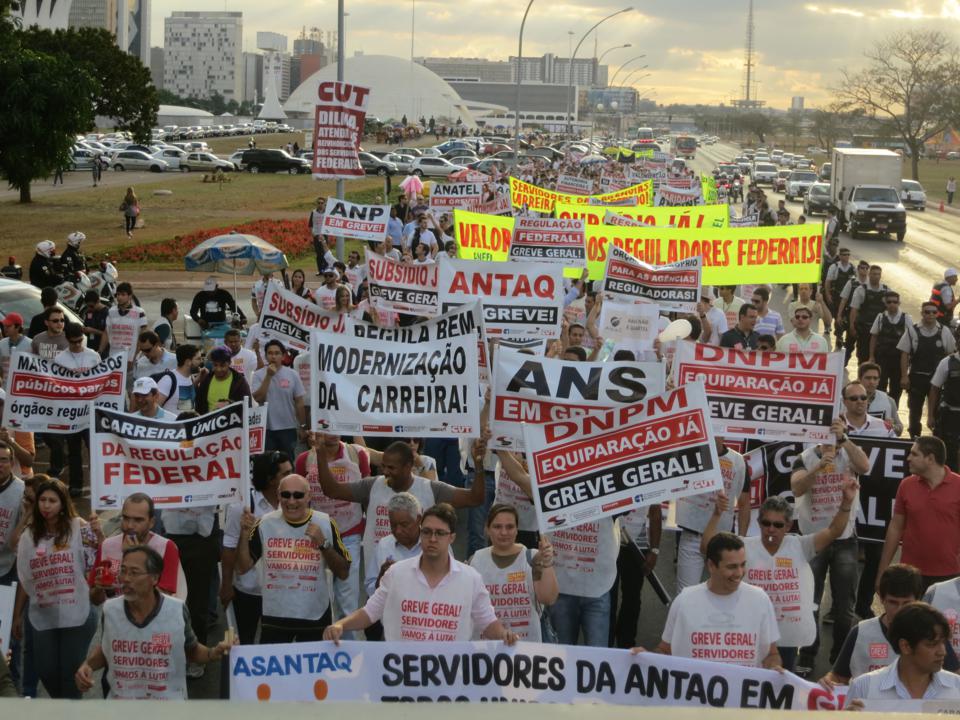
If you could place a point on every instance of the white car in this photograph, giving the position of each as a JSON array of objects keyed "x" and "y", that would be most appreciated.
[
  {"x": 171, "y": 155},
  {"x": 764, "y": 172},
  {"x": 798, "y": 182},
  {"x": 404, "y": 163},
  {"x": 434, "y": 167},
  {"x": 430, "y": 152},
  {"x": 205, "y": 162},
  {"x": 82, "y": 158},
  {"x": 137, "y": 160},
  {"x": 912, "y": 195},
  {"x": 237, "y": 159}
]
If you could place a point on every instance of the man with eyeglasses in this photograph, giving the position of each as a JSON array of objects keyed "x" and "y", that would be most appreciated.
[
  {"x": 885, "y": 333},
  {"x": 819, "y": 476},
  {"x": 922, "y": 347},
  {"x": 52, "y": 340},
  {"x": 779, "y": 562},
  {"x": 802, "y": 338},
  {"x": 295, "y": 547},
  {"x": 768, "y": 321},
  {"x": 145, "y": 629},
  {"x": 866, "y": 304},
  {"x": 154, "y": 359},
  {"x": 431, "y": 597}
]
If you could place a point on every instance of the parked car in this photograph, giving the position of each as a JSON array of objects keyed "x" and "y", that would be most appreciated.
[
  {"x": 372, "y": 165},
  {"x": 82, "y": 159},
  {"x": 434, "y": 167},
  {"x": 171, "y": 156},
  {"x": 912, "y": 194},
  {"x": 268, "y": 160},
  {"x": 205, "y": 162},
  {"x": 412, "y": 152},
  {"x": 17, "y": 296},
  {"x": 494, "y": 147},
  {"x": 137, "y": 160},
  {"x": 237, "y": 159},
  {"x": 817, "y": 199},
  {"x": 460, "y": 152},
  {"x": 488, "y": 166},
  {"x": 404, "y": 163}
]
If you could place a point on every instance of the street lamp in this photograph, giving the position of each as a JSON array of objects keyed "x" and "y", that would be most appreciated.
[
  {"x": 619, "y": 69},
  {"x": 596, "y": 68},
  {"x": 516, "y": 106},
  {"x": 573, "y": 55},
  {"x": 340, "y": 58},
  {"x": 626, "y": 83}
]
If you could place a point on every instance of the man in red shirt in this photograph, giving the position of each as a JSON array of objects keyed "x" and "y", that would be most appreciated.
[{"x": 926, "y": 515}]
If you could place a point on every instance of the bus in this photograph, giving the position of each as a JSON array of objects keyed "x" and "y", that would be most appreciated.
[
  {"x": 645, "y": 134},
  {"x": 684, "y": 146}
]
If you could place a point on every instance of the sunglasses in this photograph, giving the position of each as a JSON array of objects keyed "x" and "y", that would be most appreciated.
[
  {"x": 439, "y": 534},
  {"x": 294, "y": 494},
  {"x": 774, "y": 524},
  {"x": 856, "y": 397}
]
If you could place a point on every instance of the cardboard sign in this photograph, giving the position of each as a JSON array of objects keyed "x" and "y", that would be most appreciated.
[
  {"x": 181, "y": 464},
  {"x": 337, "y": 130},
  {"x": 575, "y": 185},
  {"x": 347, "y": 219},
  {"x": 538, "y": 199},
  {"x": 602, "y": 464},
  {"x": 463, "y": 195},
  {"x": 289, "y": 318},
  {"x": 519, "y": 298},
  {"x": 481, "y": 236},
  {"x": 549, "y": 240},
  {"x": 637, "y": 324},
  {"x": 673, "y": 288},
  {"x": 537, "y": 390},
  {"x": 402, "y": 287},
  {"x": 45, "y": 397},
  {"x": 765, "y": 395}
]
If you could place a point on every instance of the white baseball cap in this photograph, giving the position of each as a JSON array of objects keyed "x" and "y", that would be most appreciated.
[
  {"x": 332, "y": 271},
  {"x": 144, "y": 386},
  {"x": 949, "y": 272}
]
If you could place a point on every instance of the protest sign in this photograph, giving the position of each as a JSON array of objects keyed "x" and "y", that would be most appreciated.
[
  {"x": 347, "y": 219},
  {"x": 462, "y": 320},
  {"x": 537, "y": 390},
  {"x": 8, "y": 597},
  {"x": 519, "y": 298},
  {"x": 673, "y": 196},
  {"x": 500, "y": 205},
  {"x": 538, "y": 199},
  {"x": 181, "y": 464},
  {"x": 364, "y": 386},
  {"x": 257, "y": 428},
  {"x": 752, "y": 220},
  {"x": 602, "y": 464},
  {"x": 612, "y": 218},
  {"x": 435, "y": 671},
  {"x": 482, "y": 237},
  {"x": 463, "y": 195},
  {"x": 45, "y": 397},
  {"x": 634, "y": 323},
  {"x": 708, "y": 188},
  {"x": 549, "y": 240},
  {"x": 575, "y": 185},
  {"x": 402, "y": 287},
  {"x": 337, "y": 129},
  {"x": 289, "y": 318},
  {"x": 611, "y": 183},
  {"x": 878, "y": 487},
  {"x": 695, "y": 216},
  {"x": 674, "y": 288},
  {"x": 765, "y": 395}
]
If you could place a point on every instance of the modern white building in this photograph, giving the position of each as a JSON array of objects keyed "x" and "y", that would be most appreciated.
[
  {"x": 47, "y": 14},
  {"x": 252, "y": 77},
  {"x": 203, "y": 54},
  {"x": 94, "y": 14}
]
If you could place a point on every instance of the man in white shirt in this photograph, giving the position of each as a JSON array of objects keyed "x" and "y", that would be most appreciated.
[
  {"x": 802, "y": 339},
  {"x": 124, "y": 323},
  {"x": 769, "y": 321},
  {"x": 76, "y": 357},
  {"x": 243, "y": 360},
  {"x": 259, "y": 291},
  {"x": 178, "y": 389},
  {"x": 430, "y": 597},
  {"x": 326, "y": 294},
  {"x": 723, "y": 619},
  {"x": 154, "y": 357},
  {"x": 879, "y": 404},
  {"x": 919, "y": 634},
  {"x": 713, "y": 321}
]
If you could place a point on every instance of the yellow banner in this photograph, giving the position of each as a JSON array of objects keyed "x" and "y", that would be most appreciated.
[
  {"x": 482, "y": 237},
  {"x": 692, "y": 216},
  {"x": 731, "y": 256},
  {"x": 627, "y": 152},
  {"x": 541, "y": 199}
]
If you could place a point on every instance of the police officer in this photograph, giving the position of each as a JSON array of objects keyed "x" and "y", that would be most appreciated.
[
  {"x": 838, "y": 274},
  {"x": 943, "y": 405},
  {"x": 922, "y": 347},
  {"x": 887, "y": 329},
  {"x": 843, "y": 306},
  {"x": 866, "y": 303},
  {"x": 945, "y": 297}
]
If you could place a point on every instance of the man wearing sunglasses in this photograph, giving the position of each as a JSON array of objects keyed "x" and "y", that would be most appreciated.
[
  {"x": 866, "y": 303},
  {"x": 819, "y": 476},
  {"x": 430, "y": 597},
  {"x": 885, "y": 333},
  {"x": 778, "y": 561},
  {"x": 295, "y": 545},
  {"x": 922, "y": 347}
]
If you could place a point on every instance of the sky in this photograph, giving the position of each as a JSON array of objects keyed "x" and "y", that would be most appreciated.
[{"x": 694, "y": 48}]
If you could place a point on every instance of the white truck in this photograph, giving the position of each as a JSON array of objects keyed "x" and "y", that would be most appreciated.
[{"x": 865, "y": 187}]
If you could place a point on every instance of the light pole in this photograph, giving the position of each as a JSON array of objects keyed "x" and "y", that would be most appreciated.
[
  {"x": 596, "y": 68},
  {"x": 573, "y": 56},
  {"x": 626, "y": 83},
  {"x": 620, "y": 69},
  {"x": 340, "y": 54},
  {"x": 516, "y": 105}
]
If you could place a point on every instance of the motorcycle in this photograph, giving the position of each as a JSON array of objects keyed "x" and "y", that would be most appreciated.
[{"x": 73, "y": 290}]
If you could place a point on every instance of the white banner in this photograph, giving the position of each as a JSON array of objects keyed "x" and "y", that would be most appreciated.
[
  {"x": 364, "y": 222},
  {"x": 289, "y": 318},
  {"x": 673, "y": 288},
  {"x": 612, "y": 183},
  {"x": 8, "y": 597},
  {"x": 675, "y": 196},
  {"x": 603, "y": 464},
  {"x": 45, "y": 397},
  {"x": 576, "y": 185},
  {"x": 394, "y": 286},
  {"x": 549, "y": 240},
  {"x": 519, "y": 298},
  {"x": 635, "y": 323},
  {"x": 538, "y": 390},
  {"x": 182, "y": 464},
  {"x": 463, "y": 195},
  {"x": 745, "y": 220},
  {"x": 490, "y": 671},
  {"x": 365, "y": 386},
  {"x": 767, "y": 396}
]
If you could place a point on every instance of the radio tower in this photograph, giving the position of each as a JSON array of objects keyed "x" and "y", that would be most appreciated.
[{"x": 748, "y": 64}]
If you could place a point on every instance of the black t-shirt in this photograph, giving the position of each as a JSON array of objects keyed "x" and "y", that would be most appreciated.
[{"x": 96, "y": 319}]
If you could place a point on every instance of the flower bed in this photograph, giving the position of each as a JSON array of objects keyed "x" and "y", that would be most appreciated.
[{"x": 290, "y": 236}]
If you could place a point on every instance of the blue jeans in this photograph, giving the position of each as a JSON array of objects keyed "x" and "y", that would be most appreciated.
[
  {"x": 572, "y": 614},
  {"x": 477, "y": 516},
  {"x": 788, "y": 658},
  {"x": 841, "y": 559},
  {"x": 446, "y": 453},
  {"x": 284, "y": 440},
  {"x": 59, "y": 652}
]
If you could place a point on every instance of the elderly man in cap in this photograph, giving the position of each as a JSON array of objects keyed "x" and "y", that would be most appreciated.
[
  {"x": 945, "y": 297},
  {"x": 146, "y": 401},
  {"x": 210, "y": 305}
]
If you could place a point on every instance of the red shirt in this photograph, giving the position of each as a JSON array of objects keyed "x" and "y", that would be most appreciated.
[{"x": 931, "y": 534}]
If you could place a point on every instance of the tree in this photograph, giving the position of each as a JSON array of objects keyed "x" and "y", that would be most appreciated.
[
  {"x": 907, "y": 84},
  {"x": 754, "y": 123},
  {"x": 793, "y": 126}
]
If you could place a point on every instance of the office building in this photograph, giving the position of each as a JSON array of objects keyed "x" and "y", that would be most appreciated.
[
  {"x": 156, "y": 67},
  {"x": 94, "y": 14},
  {"x": 796, "y": 102},
  {"x": 271, "y": 42},
  {"x": 202, "y": 54},
  {"x": 276, "y": 73},
  {"x": 252, "y": 77}
]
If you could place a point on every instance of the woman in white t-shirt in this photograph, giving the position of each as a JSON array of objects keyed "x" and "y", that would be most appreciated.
[{"x": 518, "y": 603}]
